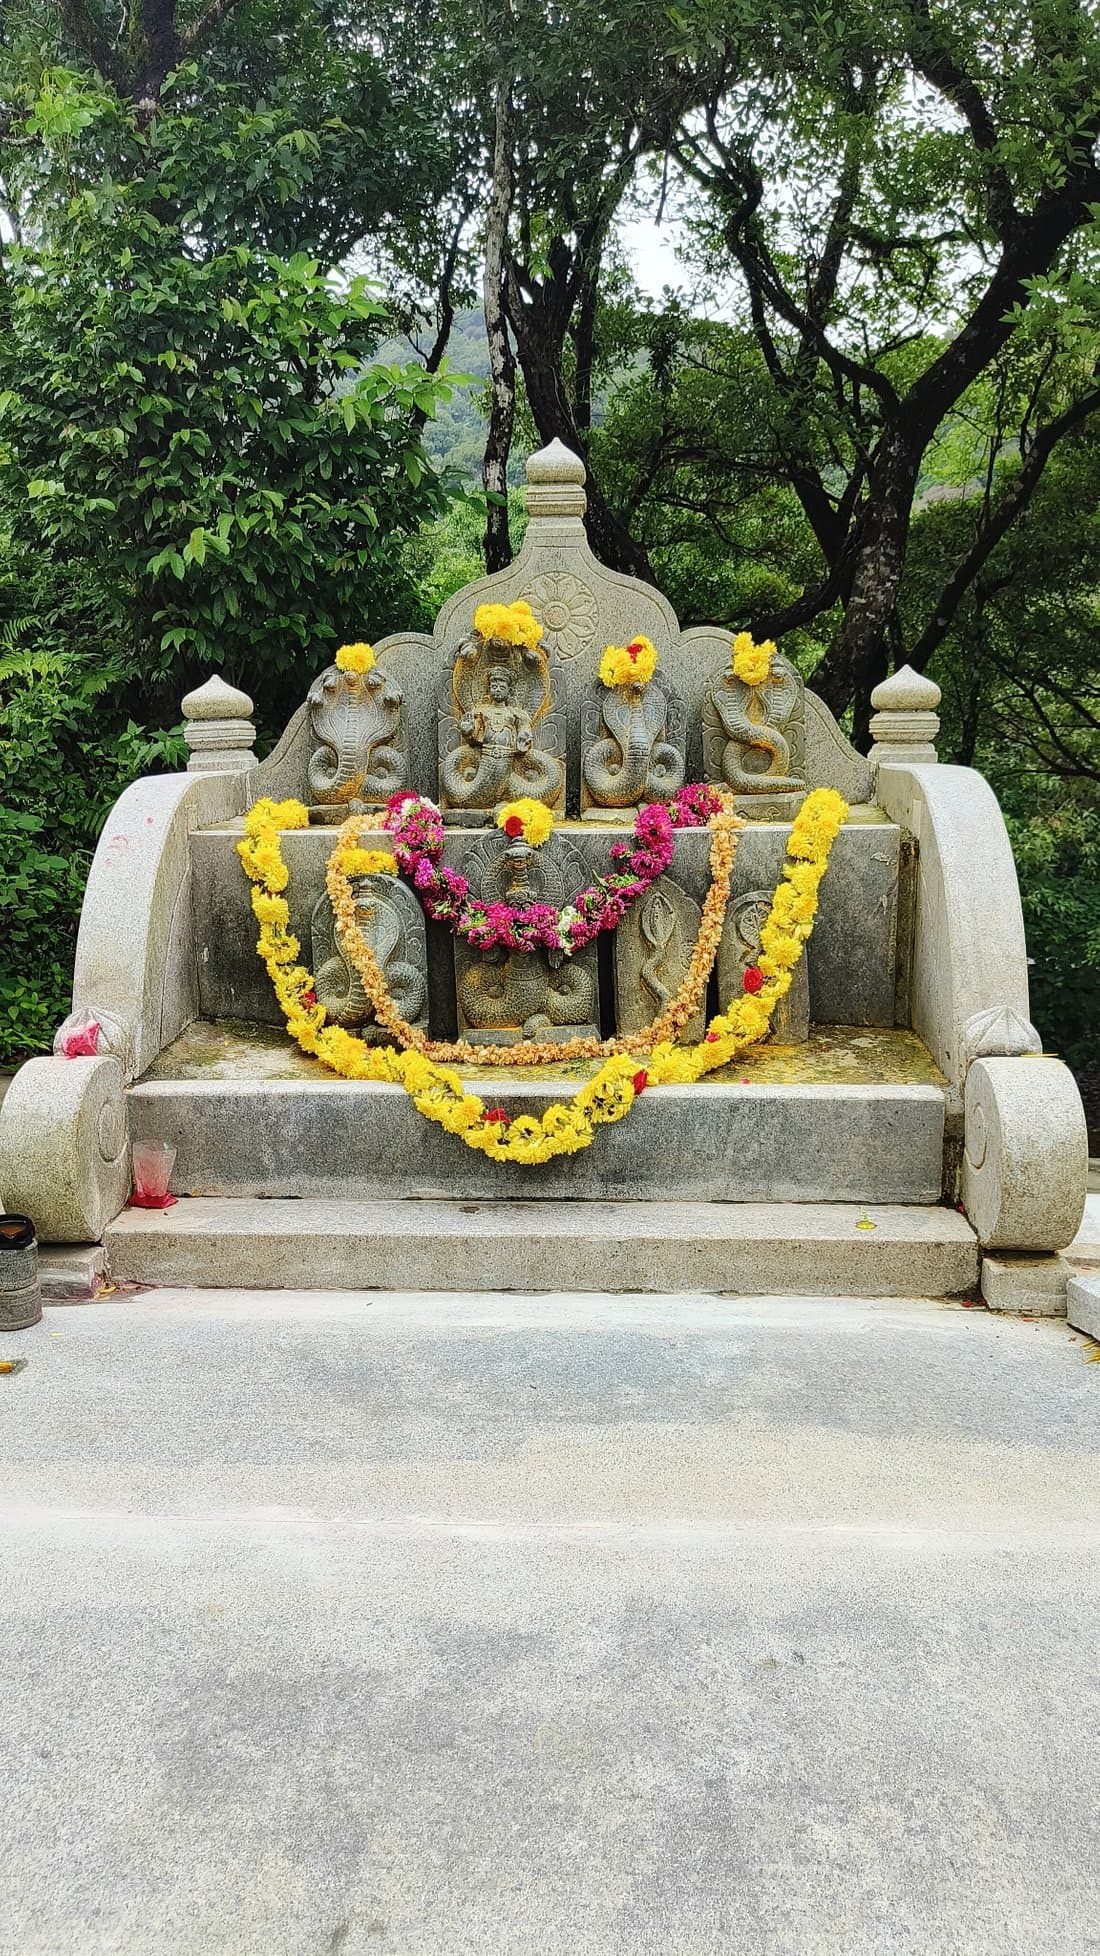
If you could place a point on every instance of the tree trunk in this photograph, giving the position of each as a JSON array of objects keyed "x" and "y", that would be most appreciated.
[
  {"x": 502, "y": 365},
  {"x": 540, "y": 356},
  {"x": 856, "y": 660}
]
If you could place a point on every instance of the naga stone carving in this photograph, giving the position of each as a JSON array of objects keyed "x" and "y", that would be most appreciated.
[
  {"x": 505, "y": 996},
  {"x": 633, "y": 747},
  {"x": 754, "y": 739},
  {"x": 360, "y": 748},
  {"x": 740, "y": 947},
  {"x": 391, "y": 920},
  {"x": 499, "y": 736},
  {"x": 653, "y": 947}
]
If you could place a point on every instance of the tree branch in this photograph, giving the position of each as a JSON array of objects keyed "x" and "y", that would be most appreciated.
[
  {"x": 198, "y": 34},
  {"x": 1015, "y": 499},
  {"x": 85, "y": 35}
]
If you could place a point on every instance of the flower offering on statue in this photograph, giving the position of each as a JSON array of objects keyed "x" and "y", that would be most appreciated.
[
  {"x": 367, "y": 862},
  {"x": 355, "y": 658},
  {"x": 527, "y": 818},
  {"x": 629, "y": 665},
  {"x": 510, "y": 624},
  {"x": 751, "y": 663}
]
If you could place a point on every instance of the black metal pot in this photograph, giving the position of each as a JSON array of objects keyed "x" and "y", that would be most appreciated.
[{"x": 20, "y": 1296}]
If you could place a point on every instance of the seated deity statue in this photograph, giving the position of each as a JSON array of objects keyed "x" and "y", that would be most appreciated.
[
  {"x": 633, "y": 747},
  {"x": 495, "y": 709},
  {"x": 361, "y": 754}
]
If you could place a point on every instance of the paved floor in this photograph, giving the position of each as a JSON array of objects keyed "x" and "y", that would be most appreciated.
[{"x": 548, "y": 1627}]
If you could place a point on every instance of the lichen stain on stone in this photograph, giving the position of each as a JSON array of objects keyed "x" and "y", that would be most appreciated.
[{"x": 243, "y": 1049}]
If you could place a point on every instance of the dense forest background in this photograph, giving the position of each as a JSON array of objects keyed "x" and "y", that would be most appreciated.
[{"x": 288, "y": 288}]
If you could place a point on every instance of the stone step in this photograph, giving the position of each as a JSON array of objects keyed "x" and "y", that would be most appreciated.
[
  {"x": 1083, "y": 1303},
  {"x": 717, "y": 1142},
  {"x": 747, "y": 1249}
]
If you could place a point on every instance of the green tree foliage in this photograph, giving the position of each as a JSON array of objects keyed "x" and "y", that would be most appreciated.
[{"x": 202, "y": 461}]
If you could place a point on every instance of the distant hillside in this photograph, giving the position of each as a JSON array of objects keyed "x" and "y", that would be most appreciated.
[{"x": 456, "y": 437}]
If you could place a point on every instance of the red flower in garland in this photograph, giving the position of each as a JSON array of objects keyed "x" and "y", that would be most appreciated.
[
  {"x": 640, "y": 1081},
  {"x": 513, "y": 826},
  {"x": 309, "y": 997},
  {"x": 497, "y": 1116},
  {"x": 753, "y": 979}
]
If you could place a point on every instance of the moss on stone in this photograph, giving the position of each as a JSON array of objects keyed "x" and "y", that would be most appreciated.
[{"x": 244, "y": 1049}]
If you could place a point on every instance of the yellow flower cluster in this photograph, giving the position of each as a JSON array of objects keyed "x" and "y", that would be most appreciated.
[
  {"x": 439, "y": 1093},
  {"x": 751, "y": 663},
  {"x": 355, "y": 658},
  {"x": 629, "y": 665},
  {"x": 536, "y": 821},
  {"x": 513, "y": 624},
  {"x": 367, "y": 862}
]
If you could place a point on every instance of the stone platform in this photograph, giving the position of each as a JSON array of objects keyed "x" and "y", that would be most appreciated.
[
  {"x": 742, "y": 1248},
  {"x": 252, "y": 1118}
]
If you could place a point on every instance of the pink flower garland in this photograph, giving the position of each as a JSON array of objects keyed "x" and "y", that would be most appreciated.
[{"x": 417, "y": 829}]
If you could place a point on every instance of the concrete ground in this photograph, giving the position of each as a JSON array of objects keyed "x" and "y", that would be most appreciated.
[{"x": 540, "y": 1626}]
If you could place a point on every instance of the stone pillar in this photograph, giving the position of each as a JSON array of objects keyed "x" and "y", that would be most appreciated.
[
  {"x": 905, "y": 723},
  {"x": 218, "y": 729}
]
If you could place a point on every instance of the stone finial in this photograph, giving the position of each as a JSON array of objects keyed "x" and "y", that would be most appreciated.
[
  {"x": 555, "y": 482},
  {"x": 905, "y": 723},
  {"x": 218, "y": 728}
]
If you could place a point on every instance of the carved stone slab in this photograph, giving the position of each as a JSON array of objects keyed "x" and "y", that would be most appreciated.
[
  {"x": 754, "y": 740},
  {"x": 360, "y": 751},
  {"x": 392, "y": 921},
  {"x": 653, "y": 948},
  {"x": 632, "y": 746},
  {"x": 745, "y": 918},
  {"x": 504, "y": 996}
]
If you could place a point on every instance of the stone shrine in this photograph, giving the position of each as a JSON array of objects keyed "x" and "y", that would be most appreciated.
[{"x": 900, "y": 1121}]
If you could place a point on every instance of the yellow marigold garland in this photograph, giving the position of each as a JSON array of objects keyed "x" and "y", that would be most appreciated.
[
  {"x": 367, "y": 862},
  {"x": 439, "y": 1094}
]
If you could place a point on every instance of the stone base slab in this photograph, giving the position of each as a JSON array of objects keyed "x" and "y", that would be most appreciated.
[
  {"x": 706, "y": 1143},
  {"x": 1083, "y": 1304},
  {"x": 742, "y": 1249},
  {"x": 1035, "y": 1285},
  {"x": 72, "y": 1273}
]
